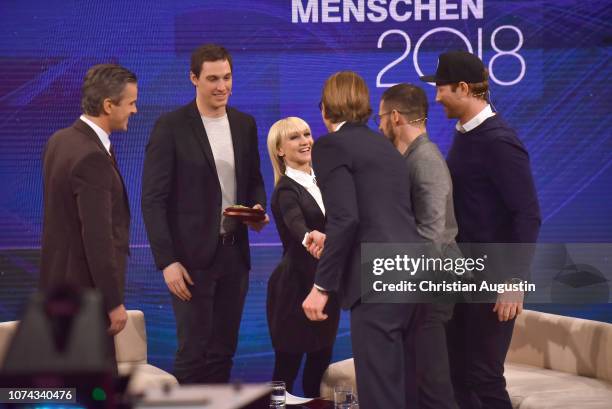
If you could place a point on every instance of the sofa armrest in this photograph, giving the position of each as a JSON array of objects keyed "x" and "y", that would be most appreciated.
[
  {"x": 7, "y": 331},
  {"x": 338, "y": 373},
  {"x": 131, "y": 343}
]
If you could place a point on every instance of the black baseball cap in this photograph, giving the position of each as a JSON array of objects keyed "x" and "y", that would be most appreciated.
[{"x": 457, "y": 66}]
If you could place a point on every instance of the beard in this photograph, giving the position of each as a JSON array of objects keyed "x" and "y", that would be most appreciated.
[
  {"x": 450, "y": 112},
  {"x": 390, "y": 136}
]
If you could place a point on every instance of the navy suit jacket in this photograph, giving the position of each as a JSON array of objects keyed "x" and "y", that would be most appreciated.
[{"x": 363, "y": 183}]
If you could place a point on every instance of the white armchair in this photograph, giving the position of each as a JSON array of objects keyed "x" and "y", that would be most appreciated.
[{"x": 131, "y": 353}]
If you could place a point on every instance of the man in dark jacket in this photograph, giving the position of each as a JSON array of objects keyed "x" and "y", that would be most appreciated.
[
  {"x": 495, "y": 202},
  {"x": 85, "y": 241},
  {"x": 201, "y": 159},
  {"x": 402, "y": 118},
  {"x": 363, "y": 183}
]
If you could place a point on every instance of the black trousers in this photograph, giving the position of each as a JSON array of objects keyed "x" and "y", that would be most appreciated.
[
  {"x": 287, "y": 365},
  {"x": 398, "y": 346},
  {"x": 207, "y": 325},
  {"x": 383, "y": 356},
  {"x": 434, "y": 388},
  {"x": 477, "y": 347},
  {"x": 111, "y": 350}
]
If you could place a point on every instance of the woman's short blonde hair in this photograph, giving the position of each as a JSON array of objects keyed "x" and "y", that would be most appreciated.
[
  {"x": 346, "y": 98},
  {"x": 279, "y": 130}
]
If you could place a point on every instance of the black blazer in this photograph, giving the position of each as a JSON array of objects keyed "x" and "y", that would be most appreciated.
[
  {"x": 85, "y": 239},
  {"x": 296, "y": 212},
  {"x": 181, "y": 195},
  {"x": 363, "y": 183}
]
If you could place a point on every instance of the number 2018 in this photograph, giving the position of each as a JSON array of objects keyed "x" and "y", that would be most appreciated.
[{"x": 415, "y": 56}]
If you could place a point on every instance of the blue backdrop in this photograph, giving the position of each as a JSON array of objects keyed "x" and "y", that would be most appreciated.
[{"x": 550, "y": 65}]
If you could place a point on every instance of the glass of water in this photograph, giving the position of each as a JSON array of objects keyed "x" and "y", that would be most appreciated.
[
  {"x": 277, "y": 396},
  {"x": 344, "y": 398}
]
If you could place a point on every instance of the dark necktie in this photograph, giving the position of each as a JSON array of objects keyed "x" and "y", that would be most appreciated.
[{"x": 113, "y": 157}]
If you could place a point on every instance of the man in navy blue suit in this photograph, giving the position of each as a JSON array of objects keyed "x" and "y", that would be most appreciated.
[{"x": 363, "y": 183}]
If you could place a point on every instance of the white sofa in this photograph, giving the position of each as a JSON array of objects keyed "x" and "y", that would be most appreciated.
[
  {"x": 131, "y": 353},
  {"x": 553, "y": 362}
]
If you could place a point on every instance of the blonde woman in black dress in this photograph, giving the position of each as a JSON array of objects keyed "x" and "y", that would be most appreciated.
[{"x": 298, "y": 211}]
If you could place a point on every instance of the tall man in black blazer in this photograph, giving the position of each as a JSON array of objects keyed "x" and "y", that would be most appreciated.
[
  {"x": 363, "y": 183},
  {"x": 200, "y": 159},
  {"x": 85, "y": 239}
]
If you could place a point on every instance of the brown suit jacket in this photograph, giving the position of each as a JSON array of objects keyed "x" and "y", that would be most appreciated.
[{"x": 85, "y": 238}]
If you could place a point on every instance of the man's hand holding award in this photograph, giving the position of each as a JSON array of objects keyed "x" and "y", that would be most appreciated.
[{"x": 255, "y": 217}]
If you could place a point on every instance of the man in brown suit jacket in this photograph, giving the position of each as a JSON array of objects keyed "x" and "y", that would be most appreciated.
[{"x": 86, "y": 213}]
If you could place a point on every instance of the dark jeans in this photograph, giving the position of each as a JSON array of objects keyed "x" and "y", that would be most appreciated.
[
  {"x": 207, "y": 325},
  {"x": 477, "y": 347},
  {"x": 287, "y": 365}
]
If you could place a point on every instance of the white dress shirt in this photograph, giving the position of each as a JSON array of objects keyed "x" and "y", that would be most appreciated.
[
  {"x": 309, "y": 182},
  {"x": 338, "y": 126},
  {"x": 482, "y": 116},
  {"x": 104, "y": 137}
]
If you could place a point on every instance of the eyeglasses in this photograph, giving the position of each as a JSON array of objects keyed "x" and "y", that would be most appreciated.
[{"x": 378, "y": 117}]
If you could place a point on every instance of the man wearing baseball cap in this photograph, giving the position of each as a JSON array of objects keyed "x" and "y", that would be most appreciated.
[{"x": 495, "y": 202}]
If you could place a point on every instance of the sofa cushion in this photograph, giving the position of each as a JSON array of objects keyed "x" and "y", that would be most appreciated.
[
  {"x": 528, "y": 384},
  {"x": 145, "y": 376},
  {"x": 587, "y": 399}
]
